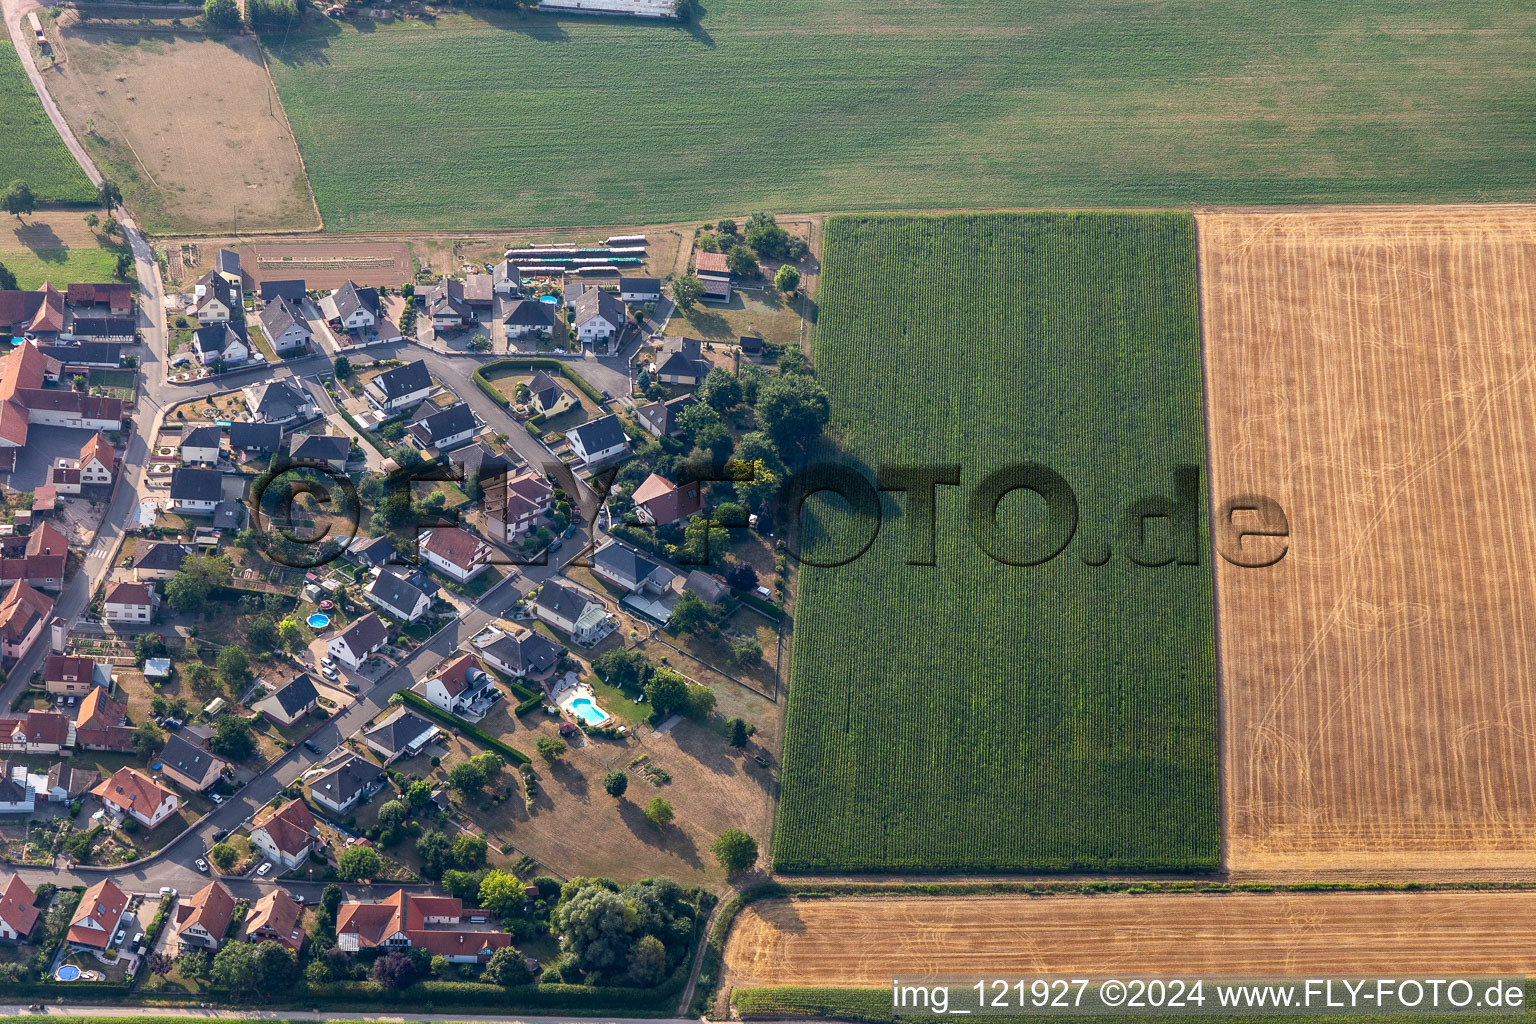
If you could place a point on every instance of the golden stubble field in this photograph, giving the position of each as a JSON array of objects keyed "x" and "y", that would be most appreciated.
[
  {"x": 863, "y": 941},
  {"x": 1374, "y": 371}
]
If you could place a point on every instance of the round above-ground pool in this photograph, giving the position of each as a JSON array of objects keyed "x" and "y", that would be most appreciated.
[
  {"x": 552, "y": 300},
  {"x": 319, "y": 620},
  {"x": 69, "y": 972}
]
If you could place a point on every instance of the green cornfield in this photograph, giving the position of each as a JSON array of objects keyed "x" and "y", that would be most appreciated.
[
  {"x": 976, "y": 716},
  {"x": 31, "y": 149}
]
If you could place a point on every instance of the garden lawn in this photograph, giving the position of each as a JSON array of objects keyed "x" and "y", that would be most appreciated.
[
  {"x": 811, "y": 105},
  {"x": 970, "y": 715},
  {"x": 33, "y": 150}
]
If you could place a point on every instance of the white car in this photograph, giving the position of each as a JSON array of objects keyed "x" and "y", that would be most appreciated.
[
  {"x": 266, "y": 867},
  {"x": 217, "y": 798},
  {"x": 329, "y": 671},
  {"x": 166, "y": 890},
  {"x": 328, "y": 661},
  {"x": 202, "y": 865}
]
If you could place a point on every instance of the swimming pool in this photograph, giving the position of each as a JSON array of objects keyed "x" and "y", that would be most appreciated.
[
  {"x": 318, "y": 621},
  {"x": 69, "y": 972},
  {"x": 549, "y": 299},
  {"x": 588, "y": 712}
]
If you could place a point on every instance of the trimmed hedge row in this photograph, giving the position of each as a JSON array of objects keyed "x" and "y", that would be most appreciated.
[
  {"x": 555, "y": 365},
  {"x": 426, "y": 707}
]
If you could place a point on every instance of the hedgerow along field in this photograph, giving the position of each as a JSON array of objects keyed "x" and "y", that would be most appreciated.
[
  {"x": 495, "y": 119},
  {"x": 975, "y": 716},
  {"x": 32, "y": 150}
]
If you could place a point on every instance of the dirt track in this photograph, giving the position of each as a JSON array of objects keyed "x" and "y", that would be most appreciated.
[
  {"x": 854, "y": 941},
  {"x": 1373, "y": 371}
]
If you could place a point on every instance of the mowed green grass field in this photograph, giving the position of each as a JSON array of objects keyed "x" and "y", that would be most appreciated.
[
  {"x": 497, "y": 120},
  {"x": 972, "y": 715},
  {"x": 30, "y": 148}
]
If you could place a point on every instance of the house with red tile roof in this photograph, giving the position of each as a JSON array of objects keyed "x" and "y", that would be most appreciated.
[
  {"x": 36, "y": 732},
  {"x": 458, "y": 684},
  {"x": 114, "y": 299},
  {"x": 97, "y": 916},
  {"x": 24, "y": 401},
  {"x": 36, "y": 314},
  {"x": 72, "y": 675},
  {"x": 99, "y": 724},
  {"x": 456, "y": 552},
  {"x": 418, "y": 922},
  {"x": 18, "y": 915},
  {"x": 131, "y": 602},
  {"x": 202, "y": 919},
  {"x": 91, "y": 468},
  {"x": 659, "y": 501},
  {"x": 285, "y": 834},
  {"x": 131, "y": 792},
  {"x": 529, "y": 497},
  {"x": 23, "y": 612},
  {"x": 276, "y": 917}
]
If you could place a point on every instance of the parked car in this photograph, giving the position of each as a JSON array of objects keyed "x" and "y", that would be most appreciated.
[
  {"x": 166, "y": 890},
  {"x": 350, "y": 685},
  {"x": 202, "y": 865},
  {"x": 328, "y": 661},
  {"x": 265, "y": 869},
  {"x": 312, "y": 746},
  {"x": 220, "y": 834},
  {"x": 329, "y": 671},
  {"x": 217, "y": 798}
]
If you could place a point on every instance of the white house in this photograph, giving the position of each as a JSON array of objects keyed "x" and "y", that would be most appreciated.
[
  {"x": 573, "y": 612},
  {"x": 458, "y": 685},
  {"x": 18, "y": 915},
  {"x": 200, "y": 446},
  {"x": 345, "y": 783},
  {"x": 214, "y": 298},
  {"x": 202, "y": 919},
  {"x": 395, "y": 596},
  {"x": 459, "y": 554},
  {"x": 640, "y": 289},
  {"x": 221, "y": 342},
  {"x": 351, "y": 308},
  {"x": 445, "y": 430},
  {"x": 100, "y": 909},
  {"x": 529, "y": 497},
  {"x": 400, "y": 388},
  {"x": 402, "y": 735},
  {"x": 285, "y": 835},
  {"x": 597, "y": 315},
  {"x": 97, "y": 461},
  {"x": 284, "y": 325},
  {"x": 131, "y": 793},
  {"x": 359, "y": 641},
  {"x": 131, "y": 603},
  {"x": 196, "y": 490},
  {"x": 598, "y": 441}
]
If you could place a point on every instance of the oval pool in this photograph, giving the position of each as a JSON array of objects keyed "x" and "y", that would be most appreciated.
[
  {"x": 69, "y": 972},
  {"x": 318, "y": 620}
]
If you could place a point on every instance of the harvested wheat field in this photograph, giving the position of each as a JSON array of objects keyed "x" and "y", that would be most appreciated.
[
  {"x": 189, "y": 125},
  {"x": 855, "y": 941},
  {"x": 1374, "y": 371}
]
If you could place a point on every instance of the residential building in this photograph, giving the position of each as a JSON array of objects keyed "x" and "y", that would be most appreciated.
[
  {"x": 23, "y": 612},
  {"x": 659, "y": 501},
  {"x": 24, "y": 401},
  {"x": 157, "y": 560},
  {"x": 112, "y": 299},
  {"x": 64, "y": 783},
  {"x": 74, "y": 676},
  {"x": 97, "y": 461},
  {"x": 375, "y": 551},
  {"x": 404, "y": 921},
  {"x": 352, "y": 308},
  {"x": 131, "y": 603},
  {"x": 86, "y": 354},
  {"x": 598, "y": 441},
  {"x": 190, "y": 766},
  {"x": 226, "y": 263},
  {"x": 458, "y": 685},
  {"x": 625, "y": 567},
  {"x": 18, "y": 914},
  {"x": 253, "y": 441},
  {"x": 458, "y": 553},
  {"x": 200, "y": 446},
  {"x": 17, "y": 796},
  {"x": 522, "y": 652},
  {"x": 35, "y": 315},
  {"x": 403, "y": 734},
  {"x": 400, "y": 387},
  {"x": 447, "y": 305},
  {"x": 572, "y": 611},
  {"x": 36, "y": 732},
  {"x": 706, "y": 587},
  {"x": 101, "y": 724},
  {"x": 101, "y": 907},
  {"x": 276, "y": 917},
  {"x": 285, "y": 835},
  {"x": 194, "y": 490},
  {"x": 396, "y": 596},
  {"x": 279, "y": 401},
  {"x": 202, "y": 919},
  {"x": 682, "y": 362},
  {"x": 640, "y": 289},
  {"x": 479, "y": 291},
  {"x": 530, "y": 318},
  {"x": 529, "y": 497},
  {"x": 597, "y": 315},
  {"x": 289, "y": 702},
  {"x": 661, "y": 418},
  {"x": 215, "y": 298},
  {"x": 348, "y": 781},
  {"x": 130, "y": 792},
  {"x": 103, "y": 330},
  {"x": 285, "y": 326},
  {"x": 44, "y": 572},
  {"x": 445, "y": 429},
  {"x": 712, "y": 270},
  {"x": 293, "y": 290},
  {"x": 222, "y": 342},
  {"x": 506, "y": 279},
  {"x": 548, "y": 396},
  {"x": 359, "y": 641},
  {"x": 326, "y": 450}
]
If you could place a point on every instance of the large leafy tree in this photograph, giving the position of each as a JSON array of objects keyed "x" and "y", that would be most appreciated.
[
  {"x": 358, "y": 862},
  {"x": 735, "y": 850},
  {"x": 19, "y": 198},
  {"x": 793, "y": 410},
  {"x": 233, "y": 739},
  {"x": 594, "y": 927},
  {"x": 687, "y": 291}
]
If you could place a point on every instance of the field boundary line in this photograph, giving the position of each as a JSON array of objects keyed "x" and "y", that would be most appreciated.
[{"x": 277, "y": 97}]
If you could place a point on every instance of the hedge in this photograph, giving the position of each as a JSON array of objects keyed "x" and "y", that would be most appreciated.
[
  {"x": 559, "y": 366},
  {"x": 426, "y": 707},
  {"x": 367, "y": 439}
]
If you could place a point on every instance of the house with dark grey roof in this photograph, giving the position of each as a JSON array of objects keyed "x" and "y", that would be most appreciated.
[
  {"x": 359, "y": 641},
  {"x": 751, "y": 345},
  {"x": 290, "y": 702},
  {"x": 505, "y": 278},
  {"x": 118, "y": 330},
  {"x": 400, "y": 387},
  {"x": 346, "y": 782},
  {"x": 683, "y": 362},
  {"x": 598, "y": 441},
  {"x": 371, "y": 550},
  {"x": 660, "y": 418},
  {"x": 226, "y": 263},
  {"x": 447, "y": 305},
  {"x": 224, "y": 342},
  {"x": 278, "y": 401},
  {"x": 523, "y": 652},
  {"x": 196, "y": 490},
  {"x": 352, "y": 308},
  {"x": 573, "y": 611},
  {"x": 214, "y": 298},
  {"x": 640, "y": 289},
  {"x": 292, "y": 290},
  {"x": 625, "y": 567},
  {"x": 529, "y": 318},
  {"x": 103, "y": 354},
  {"x": 321, "y": 449},
  {"x": 200, "y": 446},
  {"x": 190, "y": 765},
  {"x": 285, "y": 326},
  {"x": 597, "y": 315},
  {"x": 396, "y": 596},
  {"x": 157, "y": 560},
  {"x": 548, "y": 395},
  {"x": 706, "y": 587},
  {"x": 402, "y": 735},
  {"x": 255, "y": 440},
  {"x": 445, "y": 429}
]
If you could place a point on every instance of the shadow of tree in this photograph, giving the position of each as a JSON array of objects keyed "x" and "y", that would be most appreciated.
[{"x": 671, "y": 839}]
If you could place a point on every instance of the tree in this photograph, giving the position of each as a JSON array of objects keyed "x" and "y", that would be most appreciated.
[
  {"x": 123, "y": 265},
  {"x": 462, "y": 885},
  {"x": 622, "y": 668},
  {"x": 469, "y": 852},
  {"x": 741, "y": 576},
  {"x": 690, "y": 614},
  {"x": 418, "y": 794},
  {"x": 744, "y": 652},
  {"x": 232, "y": 738},
  {"x": 108, "y": 194},
  {"x": 394, "y": 970},
  {"x": 159, "y": 963},
  {"x": 736, "y": 729},
  {"x": 277, "y": 970},
  {"x": 757, "y": 469},
  {"x": 740, "y": 261},
  {"x": 290, "y": 634},
  {"x": 261, "y": 635},
  {"x": 224, "y": 14},
  {"x": 793, "y": 411},
  {"x": 234, "y": 667},
  {"x": 502, "y": 893},
  {"x": 687, "y": 291},
  {"x": 647, "y": 961},
  {"x": 146, "y": 739},
  {"x": 7, "y": 279},
  {"x": 332, "y": 898},
  {"x": 765, "y": 236},
  {"x": 616, "y": 782},
  {"x": 223, "y": 856},
  {"x": 735, "y": 850},
  {"x": 792, "y": 360},
  {"x": 720, "y": 390},
  {"x": 658, "y": 812},
  {"x": 549, "y": 748},
  {"x": 466, "y": 777},
  {"x": 19, "y": 198},
  {"x": 343, "y": 367},
  {"x": 110, "y": 226},
  {"x": 359, "y": 862},
  {"x": 700, "y": 702},
  {"x": 234, "y": 970},
  {"x": 391, "y": 819},
  {"x": 507, "y": 968},
  {"x": 667, "y": 692},
  {"x": 195, "y": 964},
  {"x": 593, "y": 925},
  {"x": 436, "y": 853},
  {"x": 787, "y": 279},
  {"x": 189, "y": 589}
]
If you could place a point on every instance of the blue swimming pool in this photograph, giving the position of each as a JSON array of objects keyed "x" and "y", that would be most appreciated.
[
  {"x": 69, "y": 972},
  {"x": 319, "y": 620},
  {"x": 549, "y": 299},
  {"x": 588, "y": 712}
]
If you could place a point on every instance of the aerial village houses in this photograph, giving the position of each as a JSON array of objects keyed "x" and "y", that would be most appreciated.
[
  {"x": 598, "y": 441},
  {"x": 224, "y": 342},
  {"x": 524, "y": 653},
  {"x": 714, "y": 273},
  {"x": 339, "y": 789},
  {"x": 286, "y": 834},
  {"x": 359, "y": 641},
  {"x": 640, "y": 290},
  {"x": 36, "y": 732},
  {"x": 415, "y": 922},
  {"x": 401, "y": 735},
  {"x": 527, "y": 318},
  {"x": 326, "y": 450},
  {"x": 352, "y": 308},
  {"x": 658, "y": 501},
  {"x": 130, "y": 793},
  {"x": 100, "y": 724},
  {"x": 456, "y": 552},
  {"x": 96, "y": 918},
  {"x": 548, "y": 395},
  {"x": 289, "y": 702},
  {"x": 196, "y": 491},
  {"x": 226, "y": 263},
  {"x": 63, "y": 784},
  {"x": 458, "y": 685},
  {"x": 597, "y": 315},
  {"x": 23, "y": 613},
  {"x": 682, "y": 362},
  {"x": 446, "y": 429},
  {"x": 278, "y": 401},
  {"x": 93, "y": 467},
  {"x": 572, "y": 611},
  {"x": 36, "y": 315},
  {"x": 276, "y": 917},
  {"x": 625, "y": 567},
  {"x": 157, "y": 560},
  {"x": 131, "y": 603},
  {"x": 71, "y": 676},
  {"x": 189, "y": 765},
  {"x": 447, "y": 305},
  {"x": 293, "y": 290},
  {"x": 202, "y": 919},
  {"x": 253, "y": 442},
  {"x": 661, "y": 418},
  {"x": 285, "y": 326},
  {"x": 200, "y": 446},
  {"x": 400, "y": 387},
  {"x": 17, "y": 796},
  {"x": 528, "y": 498},
  {"x": 24, "y": 401},
  {"x": 111, "y": 299},
  {"x": 396, "y": 596},
  {"x": 18, "y": 914},
  {"x": 215, "y": 298}
]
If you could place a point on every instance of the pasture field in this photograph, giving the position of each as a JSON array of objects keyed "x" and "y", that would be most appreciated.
[
  {"x": 33, "y": 150},
  {"x": 972, "y": 715},
  {"x": 188, "y": 125},
  {"x": 1372, "y": 371},
  {"x": 490, "y": 119},
  {"x": 863, "y": 941},
  {"x": 55, "y": 245}
]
